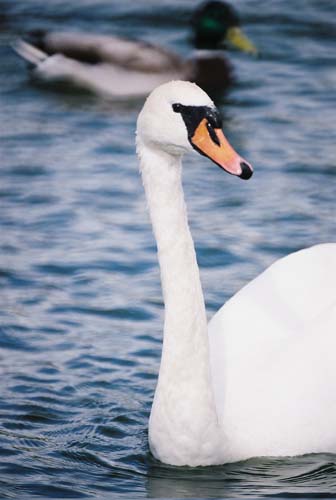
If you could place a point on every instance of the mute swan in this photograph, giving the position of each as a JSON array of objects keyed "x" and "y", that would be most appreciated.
[
  {"x": 122, "y": 68},
  {"x": 260, "y": 379}
]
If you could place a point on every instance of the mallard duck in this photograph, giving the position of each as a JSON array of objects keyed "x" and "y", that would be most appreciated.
[
  {"x": 260, "y": 378},
  {"x": 121, "y": 67}
]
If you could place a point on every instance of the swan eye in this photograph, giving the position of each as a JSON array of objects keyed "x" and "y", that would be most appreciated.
[{"x": 177, "y": 107}]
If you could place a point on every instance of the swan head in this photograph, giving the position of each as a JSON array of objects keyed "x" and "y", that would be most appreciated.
[{"x": 178, "y": 117}]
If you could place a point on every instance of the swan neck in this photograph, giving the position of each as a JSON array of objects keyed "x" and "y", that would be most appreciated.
[
  {"x": 180, "y": 279},
  {"x": 183, "y": 403}
]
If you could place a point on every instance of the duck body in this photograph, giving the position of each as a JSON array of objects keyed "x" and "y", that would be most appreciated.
[
  {"x": 121, "y": 67},
  {"x": 260, "y": 379}
]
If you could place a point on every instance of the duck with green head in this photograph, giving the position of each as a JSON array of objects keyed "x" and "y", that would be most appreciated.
[
  {"x": 216, "y": 25},
  {"x": 215, "y": 28},
  {"x": 123, "y": 68}
]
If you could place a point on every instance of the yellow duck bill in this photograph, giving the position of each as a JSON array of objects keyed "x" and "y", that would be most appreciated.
[{"x": 239, "y": 40}]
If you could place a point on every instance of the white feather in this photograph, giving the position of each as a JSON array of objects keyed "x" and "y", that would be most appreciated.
[{"x": 261, "y": 379}]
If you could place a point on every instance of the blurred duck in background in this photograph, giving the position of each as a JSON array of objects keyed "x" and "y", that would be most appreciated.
[{"x": 123, "y": 68}]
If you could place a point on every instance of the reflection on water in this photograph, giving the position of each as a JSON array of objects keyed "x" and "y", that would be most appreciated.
[
  {"x": 253, "y": 478},
  {"x": 81, "y": 308}
]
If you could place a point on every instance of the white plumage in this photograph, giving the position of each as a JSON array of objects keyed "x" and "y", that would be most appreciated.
[{"x": 261, "y": 378}]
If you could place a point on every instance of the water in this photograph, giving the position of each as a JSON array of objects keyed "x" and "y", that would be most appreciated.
[{"x": 81, "y": 308}]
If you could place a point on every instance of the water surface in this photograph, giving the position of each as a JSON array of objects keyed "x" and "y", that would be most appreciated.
[{"x": 81, "y": 308}]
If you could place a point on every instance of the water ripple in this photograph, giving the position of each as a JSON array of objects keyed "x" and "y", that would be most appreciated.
[{"x": 82, "y": 312}]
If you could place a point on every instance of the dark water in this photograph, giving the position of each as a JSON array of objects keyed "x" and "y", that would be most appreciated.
[{"x": 81, "y": 309}]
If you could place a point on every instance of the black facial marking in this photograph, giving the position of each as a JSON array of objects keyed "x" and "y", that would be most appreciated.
[
  {"x": 212, "y": 134},
  {"x": 193, "y": 115},
  {"x": 177, "y": 107}
]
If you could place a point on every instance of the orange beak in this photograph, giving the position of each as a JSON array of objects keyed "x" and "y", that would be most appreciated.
[{"x": 219, "y": 151}]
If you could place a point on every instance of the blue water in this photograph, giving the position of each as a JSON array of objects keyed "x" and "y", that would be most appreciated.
[{"x": 81, "y": 307}]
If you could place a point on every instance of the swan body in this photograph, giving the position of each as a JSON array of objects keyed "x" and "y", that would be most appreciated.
[
  {"x": 272, "y": 358},
  {"x": 120, "y": 67},
  {"x": 260, "y": 378}
]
